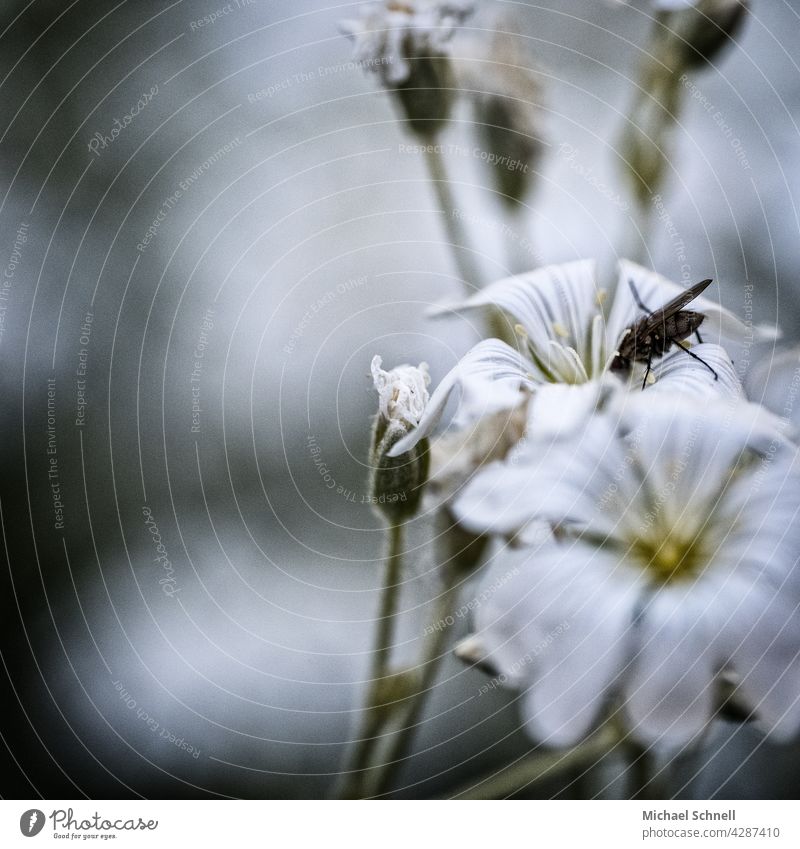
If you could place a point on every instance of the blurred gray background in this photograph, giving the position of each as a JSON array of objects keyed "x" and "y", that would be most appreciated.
[{"x": 305, "y": 241}]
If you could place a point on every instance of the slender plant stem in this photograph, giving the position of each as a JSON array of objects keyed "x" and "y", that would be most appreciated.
[
  {"x": 380, "y": 780},
  {"x": 377, "y": 713},
  {"x": 535, "y": 768},
  {"x": 389, "y": 597},
  {"x": 456, "y": 232},
  {"x": 641, "y": 772},
  {"x": 458, "y": 237}
]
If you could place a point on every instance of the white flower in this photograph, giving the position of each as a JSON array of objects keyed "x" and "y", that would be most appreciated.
[
  {"x": 570, "y": 329},
  {"x": 774, "y": 381},
  {"x": 402, "y": 392},
  {"x": 390, "y": 34},
  {"x": 673, "y": 568}
]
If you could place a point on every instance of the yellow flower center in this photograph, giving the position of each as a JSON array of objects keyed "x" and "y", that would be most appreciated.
[{"x": 672, "y": 558}]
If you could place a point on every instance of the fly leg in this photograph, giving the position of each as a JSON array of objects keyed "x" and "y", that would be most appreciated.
[
  {"x": 699, "y": 359},
  {"x": 639, "y": 303},
  {"x": 647, "y": 372}
]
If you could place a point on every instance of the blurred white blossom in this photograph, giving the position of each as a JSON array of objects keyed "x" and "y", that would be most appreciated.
[
  {"x": 774, "y": 381},
  {"x": 390, "y": 34},
  {"x": 406, "y": 44},
  {"x": 672, "y": 571}
]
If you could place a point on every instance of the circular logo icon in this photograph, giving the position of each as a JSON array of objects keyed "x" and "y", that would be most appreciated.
[{"x": 31, "y": 822}]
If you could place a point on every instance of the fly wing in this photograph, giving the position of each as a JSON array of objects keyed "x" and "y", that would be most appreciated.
[{"x": 657, "y": 319}]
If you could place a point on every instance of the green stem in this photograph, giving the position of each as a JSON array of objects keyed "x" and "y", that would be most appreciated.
[
  {"x": 380, "y": 779},
  {"x": 641, "y": 772},
  {"x": 535, "y": 768},
  {"x": 457, "y": 234},
  {"x": 458, "y": 237},
  {"x": 389, "y": 597},
  {"x": 377, "y": 713},
  {"x": 645, "y": 142}
]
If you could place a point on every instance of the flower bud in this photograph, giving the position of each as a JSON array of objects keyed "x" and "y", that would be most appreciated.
[
  {"x": 405, "y": 42},
  {"x": 704, "y": 29},
  {"x": 506, "y": 94},
  {"x": 398, "y": 482}
]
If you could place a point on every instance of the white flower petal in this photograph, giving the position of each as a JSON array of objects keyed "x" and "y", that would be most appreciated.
[
  {"x": 585, "y": 607},
  {"x": 774, "y": 381},
  {"x": 490, "y": 377},
  {"x": 558, "y": 410},
  {"x": 671, "y": 692},
  {"x": 762, "y": 638},
  {"x": 563, "y": 482},
  {"x": 388, "y": 35},
  {"x": 679, "y": 372},
  {"x": 555, "y": 304}
]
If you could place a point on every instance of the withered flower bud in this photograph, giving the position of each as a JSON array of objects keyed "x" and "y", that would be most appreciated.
[
  {"x": 506, "y": 95},
  {"x": 405, "y": 42},
  {"x": 700, "y": 30},
  {"x": 397, "y": 483}
]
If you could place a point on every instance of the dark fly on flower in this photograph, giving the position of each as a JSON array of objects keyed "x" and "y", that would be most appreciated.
[{"x": 655, "y": 333}]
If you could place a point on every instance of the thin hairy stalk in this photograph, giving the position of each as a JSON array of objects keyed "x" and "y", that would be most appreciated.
[
  {"x": 397, "y": 751},
  {"x": 457, "y": 234},
  {"x": 378, "y": 709},
  {"x": 645, "y": 143}
]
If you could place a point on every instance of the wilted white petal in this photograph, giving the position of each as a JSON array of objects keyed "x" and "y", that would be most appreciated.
[{"x": 402, "y": 392}]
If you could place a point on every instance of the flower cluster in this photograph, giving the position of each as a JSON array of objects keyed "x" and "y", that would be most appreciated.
[{"x": 656, "y": 510}]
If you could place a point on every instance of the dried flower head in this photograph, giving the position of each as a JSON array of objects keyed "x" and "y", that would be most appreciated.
[
  {"x": 407, "y": 45},
  {"x": 398, "y": 482}
]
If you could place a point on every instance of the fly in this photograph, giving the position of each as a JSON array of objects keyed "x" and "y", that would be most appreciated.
[{"x": 655, "y": 333}]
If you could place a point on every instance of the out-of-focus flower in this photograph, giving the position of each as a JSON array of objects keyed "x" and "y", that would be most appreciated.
[
  {"x": 569, "y": 329},
  {"x": 703, "y": 28},
  {"x": 672, "y": 571},
  {"x": 505, "y": 93},
  {"x": 398, "y": 482},
  {"x": 774, "y": 381},
  {"x": 406, "y": 43},
  {"x": 688, "y": 35}
]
